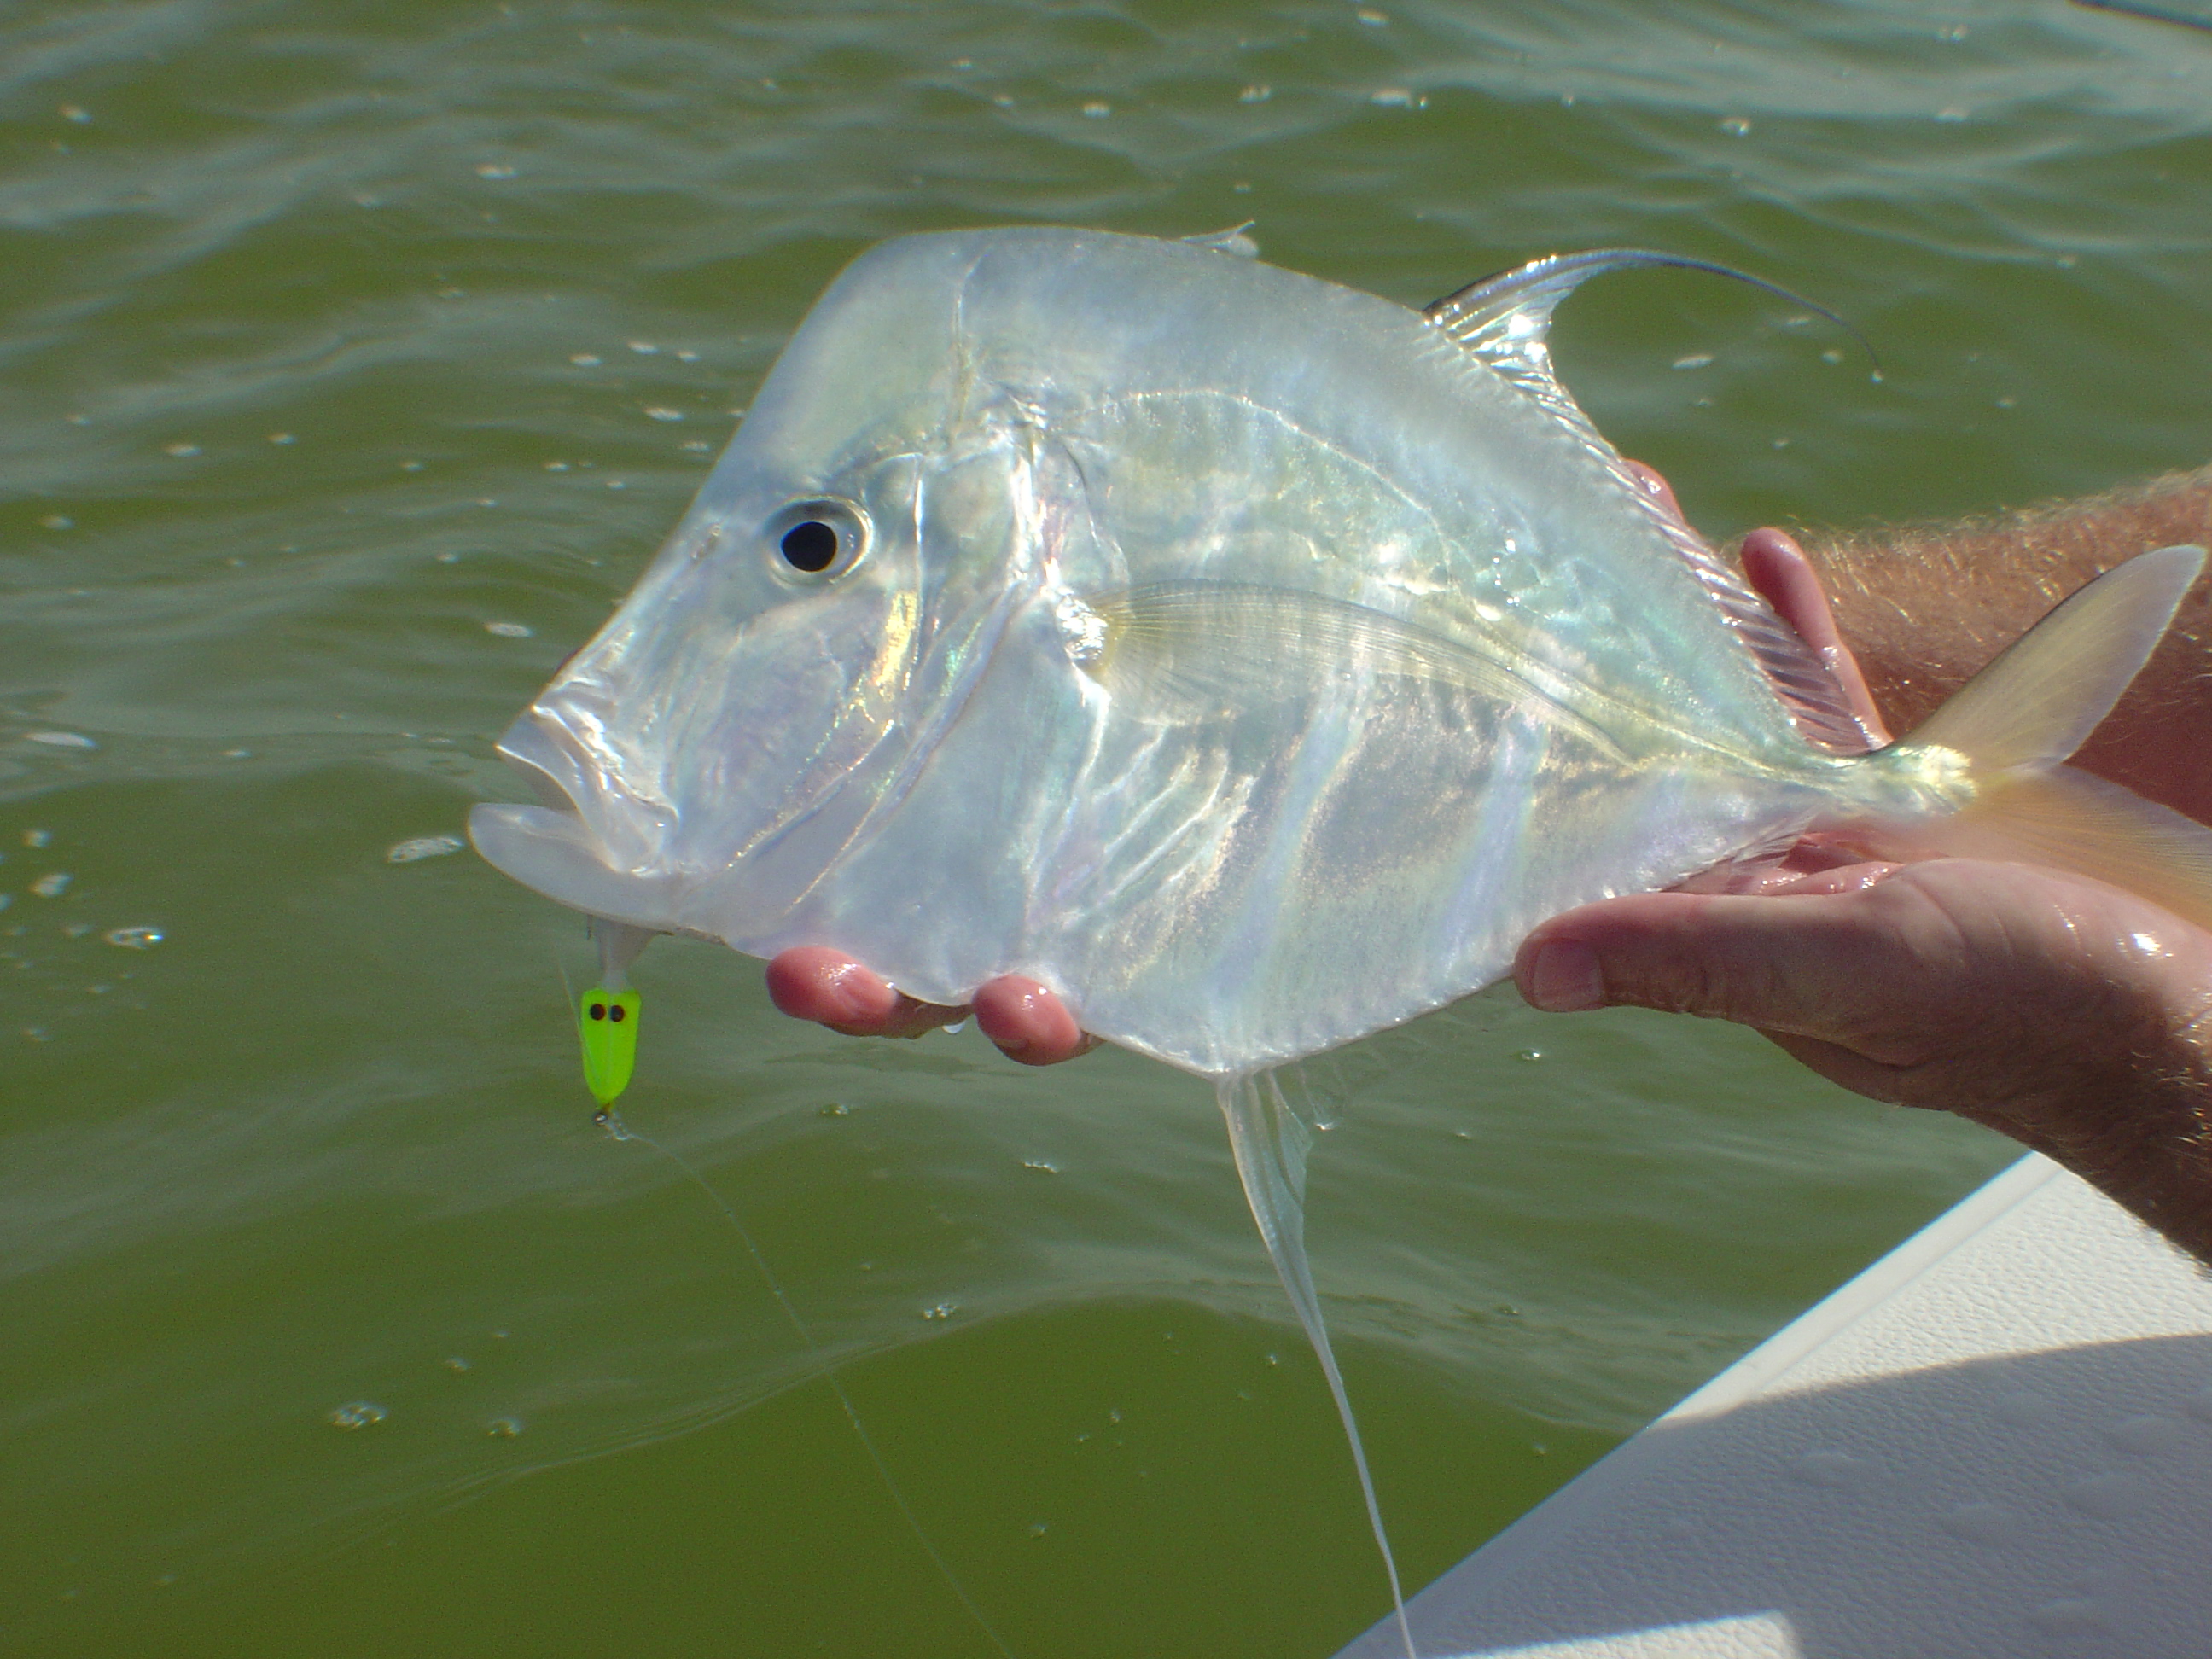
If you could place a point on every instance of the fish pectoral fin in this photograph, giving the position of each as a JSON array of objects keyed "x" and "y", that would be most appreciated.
[{"x": 1180, "y": 651}]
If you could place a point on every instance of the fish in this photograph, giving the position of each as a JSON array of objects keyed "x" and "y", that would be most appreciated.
[{"x": 1251, "y": 659}]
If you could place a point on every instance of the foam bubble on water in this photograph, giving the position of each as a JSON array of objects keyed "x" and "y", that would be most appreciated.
[
  {"x": 585, "y": 359},
  {"x": 423, "y": 846},
  {"x": 662, "y": 412},
  {"x": 942, "y": 1310},
  {"x": 1397, "y": 98},
  {"x": 496, "y": 170},
  {"x": 280, "y": 438},
  {"x": 1695, "y": 360},
  {"x": 356, "y": 1414},
  {"x": 1043, "y": 1165},
  {"x": 456, "y": 1364},
  {"x": 59, "y": 521},
  {"x": 60, "y": 739},
  {"x": 1735, "y": 127},
  {"x": 643, "y": 347},
  {"x": 1257, "y": 92},
  {"x": 35, "y": 838},
  {"x": 503, "y": 1428},
  {"x": 134, "y": 938},
  {"x": 510, "y": 631},
  {"x": 52, "y": 885},
  {"x": 181, "y": 451},
  {"x": 1098, "y": 109},
  {"x": 76, "y": 114}
]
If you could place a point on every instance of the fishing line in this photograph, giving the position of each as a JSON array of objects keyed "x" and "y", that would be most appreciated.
[{"x": 608, "y": 1119}]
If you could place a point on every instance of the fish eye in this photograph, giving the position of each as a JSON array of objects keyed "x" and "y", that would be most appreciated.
[
  {"x": 809, "y": 545},
  {"x": 816, "y": 540}
]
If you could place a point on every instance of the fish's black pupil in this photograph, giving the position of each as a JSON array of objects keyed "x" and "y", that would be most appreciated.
[
  {"x": 598, "y": 1011},
  {"x": 809, "y": 545}
]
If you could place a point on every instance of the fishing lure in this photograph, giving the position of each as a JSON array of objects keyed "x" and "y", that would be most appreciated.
[{"x": 606, "y": 1023}]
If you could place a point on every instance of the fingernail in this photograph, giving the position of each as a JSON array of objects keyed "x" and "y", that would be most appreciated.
[{"x": 1564, "y": 978}]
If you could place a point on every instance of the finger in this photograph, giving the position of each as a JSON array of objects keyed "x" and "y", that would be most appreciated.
[
  {"x": 1778, "y": 569},
  {"x": 812, "y": 981},
  {"x": 1656, "y": 483},
  {"x": 1029, "y": 1022}
]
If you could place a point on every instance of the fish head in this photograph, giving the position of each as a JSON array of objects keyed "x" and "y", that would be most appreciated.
[{"x": 769, "y": 688}]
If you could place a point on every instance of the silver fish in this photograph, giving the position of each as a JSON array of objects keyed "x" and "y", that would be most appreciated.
[{"x": 1253, "y": 660}]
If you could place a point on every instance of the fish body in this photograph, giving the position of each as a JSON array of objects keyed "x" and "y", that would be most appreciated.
[{"x": 1251, "y": 659}]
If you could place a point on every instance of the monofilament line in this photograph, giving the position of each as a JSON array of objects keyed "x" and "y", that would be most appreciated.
[{"x": 620, "y": 1131}]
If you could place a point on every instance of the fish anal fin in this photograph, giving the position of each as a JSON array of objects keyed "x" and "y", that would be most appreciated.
[{"x": 1270, "y": 1141}]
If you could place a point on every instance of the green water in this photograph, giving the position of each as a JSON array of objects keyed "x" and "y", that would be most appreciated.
[{"x": 353, "y": 358}]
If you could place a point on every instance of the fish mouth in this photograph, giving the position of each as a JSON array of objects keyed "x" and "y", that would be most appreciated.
[{"x": 557, "y": 849}]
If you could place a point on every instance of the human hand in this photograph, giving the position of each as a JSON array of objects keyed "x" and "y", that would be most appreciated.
[{"x": 2072, "y": 1015}]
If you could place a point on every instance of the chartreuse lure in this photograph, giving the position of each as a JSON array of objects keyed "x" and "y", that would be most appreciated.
[
  {"x": 606, "y": 1015},
  {"x": 606, "y": 1021}
]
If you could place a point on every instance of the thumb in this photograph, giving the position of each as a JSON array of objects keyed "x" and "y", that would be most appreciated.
[{"x": 1795, "y": 964}]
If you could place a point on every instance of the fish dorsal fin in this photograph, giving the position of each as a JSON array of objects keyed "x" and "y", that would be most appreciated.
[
  {"x": 1504, "y": 319},
  {"x": 1233, "y": 241},
  {"x": 1502, "y": 322}
]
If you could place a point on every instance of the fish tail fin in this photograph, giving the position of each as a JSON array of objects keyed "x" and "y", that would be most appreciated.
[
  {"x": 2014, "y": 724},
  {"x": 2040, "y": 698}
]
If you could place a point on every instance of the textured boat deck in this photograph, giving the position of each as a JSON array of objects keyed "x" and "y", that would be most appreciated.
[{"x": 1997, "y": 1440}]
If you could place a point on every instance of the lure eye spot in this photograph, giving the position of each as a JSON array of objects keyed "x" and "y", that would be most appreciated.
[
  {"x": 598, "y": 1011},
  {"x": 809, "y": 545},
  {"x": 616, "y": 1013}
]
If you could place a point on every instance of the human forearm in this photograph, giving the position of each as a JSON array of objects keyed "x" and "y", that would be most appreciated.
[{"x": 1923, "y": 607}]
